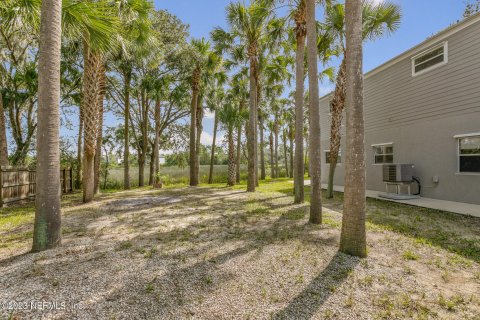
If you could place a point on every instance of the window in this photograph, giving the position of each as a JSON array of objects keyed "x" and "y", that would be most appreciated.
[
  {"x": 383, "y": 153},
  {"x": 469, "y": 154},
  {"x": 327, "y": 156},
  {"x": 430, "y": 59}
]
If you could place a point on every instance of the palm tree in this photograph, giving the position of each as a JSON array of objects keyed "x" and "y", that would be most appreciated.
[
  {"x": 54, "y": 15},
  {"x": 95, "y": 47},
  {"x": 136, "y": 33},
  {"x": 239, "y": 88},
  {"x": 378, "y": 20},
  {"x": 206, "y": 62},
  {"x": 47, "y": 227},
  {"x": 271, "y": 128},
  {"x": 215, "y": 99},
  {"x": 353, "y": 236},
  {"x": 250, "y": 30},
  {"x": 314, "y": 113},
  {"x": 230, "y": 116},
  {"x": 300, "y": 36}
]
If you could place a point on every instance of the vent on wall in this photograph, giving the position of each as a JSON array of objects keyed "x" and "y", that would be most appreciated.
[{"x": 398, "y": 172}]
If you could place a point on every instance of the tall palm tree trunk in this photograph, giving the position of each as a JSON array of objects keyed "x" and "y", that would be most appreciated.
[
  {"x": 78, "y": 179},
  {"x": 277, "y": 171},
  {"x": 198, "y": 144},
  {"x": 314, "y": 113},
  {"x": 47, "y": 227},
  {"x": 252, "y": 123},
  {"x": 284, "y": 138},
  {"x": 262, "y": 150},
  {"x": 291, "y": 138},
  {"x": 337, "y": 106},
  {"x": 257, "y": 103},
  {"x": 156, "y": 143},
  {"x": 93, "y": 66},
  {"x": 3, "y": 135},
  {"x": 299, "y": 166},
  {"x": 272, "y": 162},
  {"x": 141, "y": 169},
  {"x": 193, "y": 129},
  {"x": 231, "y": 158},
  {"x": 239, "y": 147},
  {"x": 212, "y": 156},
  {"x": 151, "y": 172},
  {"x": 353, "y": 236},
  {"x": 127, "y": 76},
  {"x": 98, "y": 151},
  {"x": 142, "y": 157}
]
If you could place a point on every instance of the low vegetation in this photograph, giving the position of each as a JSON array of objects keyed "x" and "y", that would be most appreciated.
[{"x": 188, "y": 252}]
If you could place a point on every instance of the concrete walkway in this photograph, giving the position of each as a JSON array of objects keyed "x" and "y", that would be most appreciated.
[{"x": 450, "y": 206}]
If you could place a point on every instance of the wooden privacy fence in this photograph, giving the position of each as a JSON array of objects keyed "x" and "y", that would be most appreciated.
[{"x": 17, "y": 184}]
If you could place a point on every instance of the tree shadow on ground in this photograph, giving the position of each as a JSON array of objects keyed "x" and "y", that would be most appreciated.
[
  {"x": 306, "y": 304},
  {"x": 453, "y": 232}
]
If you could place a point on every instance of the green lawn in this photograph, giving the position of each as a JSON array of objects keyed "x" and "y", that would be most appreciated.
[{"x": 221, "y": 251}]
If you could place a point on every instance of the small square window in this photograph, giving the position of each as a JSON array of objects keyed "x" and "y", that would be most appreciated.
[
  {"x": 383, "y": 153},
  {"x": 430, "y": 59}
]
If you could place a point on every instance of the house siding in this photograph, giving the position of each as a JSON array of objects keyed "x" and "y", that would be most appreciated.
[{"x": 420, "y": 115}]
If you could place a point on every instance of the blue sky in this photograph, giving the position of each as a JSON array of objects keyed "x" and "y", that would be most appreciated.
[{"x": 421, "y": 19}]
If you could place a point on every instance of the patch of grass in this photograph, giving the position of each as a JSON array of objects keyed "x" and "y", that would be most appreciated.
[
  {"x": 409, "y": 255},
  {"x": 208, "y": 280},
  {"x": 295, "y": 214},
  {"x": 367, "y": 281},
  {"x": 457, "y": 260},
  {"x": 450, "y": 303},
  {"x": 350, "y": 301},
  {"x": 446, "y": 276},
  {"x": 149, "y": 253},
  {"x": 124, "y": 245},
  {"x": 16, "y": 216},
  {"x": 256, "y": 208},
  {"x": 149, "y": 288},
  {"x": 476, "y": 275}
]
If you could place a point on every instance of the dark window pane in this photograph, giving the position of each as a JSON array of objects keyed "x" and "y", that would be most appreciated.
[
  {"x": 389, "y": 159},
  {"x": 428, "y": 64},
  {"x": 389, "y": 149},
  {"x": 429, "y": 55},
  {"x": 469, "y": 163}
]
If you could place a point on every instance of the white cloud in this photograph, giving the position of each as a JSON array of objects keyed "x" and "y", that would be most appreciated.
[
  {"x": 377, "y": 1},
  {"x": 208, "y": 114},
  {"x": 207, "y": 139}
]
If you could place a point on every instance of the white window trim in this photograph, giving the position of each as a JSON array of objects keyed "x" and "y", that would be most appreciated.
[
  {"x": 466, "y": 135},
  {"x": 458, "y": 137},
  {"x": 382, "y": 145},
  {"x": 445, "y": 53}
]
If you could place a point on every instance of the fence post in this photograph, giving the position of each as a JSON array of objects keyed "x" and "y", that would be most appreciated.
[{"x": 1, "y": 187}]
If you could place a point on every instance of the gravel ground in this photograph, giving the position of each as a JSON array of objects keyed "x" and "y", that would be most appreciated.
[{"x": 216, "y": 253}]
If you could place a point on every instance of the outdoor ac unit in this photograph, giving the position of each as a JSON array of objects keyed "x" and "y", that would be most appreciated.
[{"x": 398, "y": 172}]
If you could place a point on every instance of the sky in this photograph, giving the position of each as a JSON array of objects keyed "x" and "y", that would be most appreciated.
[{"x": 420, "y": 20}]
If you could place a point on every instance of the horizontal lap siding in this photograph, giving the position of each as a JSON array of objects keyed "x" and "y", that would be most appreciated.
[
  {"x": 394, "y": 98},
  {"x": 420, "y": 115}
]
